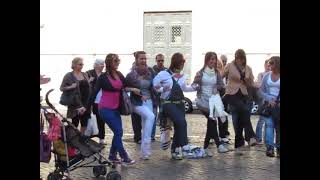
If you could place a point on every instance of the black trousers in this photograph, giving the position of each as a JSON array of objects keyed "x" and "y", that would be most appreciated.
[
  {"x": 212, "y": 131},
  {"x": 240, "y": 108},
  {"x": 100, "y": 122},
  {"x": 136, "y": 126}
]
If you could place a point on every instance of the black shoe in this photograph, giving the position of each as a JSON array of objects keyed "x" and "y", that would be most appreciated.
[
  {"x": 270, "y": 152},
  {"x": 153, "y": 139},
  {"x": 138, "y": 142},
  {"x": 278, "y": 152}
]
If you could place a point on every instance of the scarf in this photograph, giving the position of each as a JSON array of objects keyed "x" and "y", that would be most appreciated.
[{"x": 209, "y": 71}]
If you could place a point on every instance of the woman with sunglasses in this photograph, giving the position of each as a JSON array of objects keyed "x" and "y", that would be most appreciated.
[
  {"x": 111, "y": 83},
  {"x": 78, "y": 82}
]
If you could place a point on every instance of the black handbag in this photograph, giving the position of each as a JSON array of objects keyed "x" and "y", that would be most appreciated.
[
  {"x": 267, "y": 111},
  {"x": 126, "y": 107},
  {"x": 68, "y": 98}
]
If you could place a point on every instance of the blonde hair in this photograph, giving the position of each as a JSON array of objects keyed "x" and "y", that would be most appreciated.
[
  {"x": 75, "y": 61},
  {"x": 220, "y": 66}
]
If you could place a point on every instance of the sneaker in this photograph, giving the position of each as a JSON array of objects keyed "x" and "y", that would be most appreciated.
[
  {"x": 211, "y": 141},
  {"x": 270, "y": 152},
  {"x": 222, "y": 149},
  {"x": 153, "y": 139},
  {"x": 208, "y": 152},
  {"x": 145, "y": 157},
  {"x": 240, "y": 150},
  {"x": 114, "y": 159},
  {"x": 278, "y": 152},
  {"x": 102, "y": 142},
  {"x": 253, "y": 142},
  {"x": 225, "y": 140},
  {"x": 176, "y": 156},
  {"x": 127, "y": 161},
  {"x": 138, "y": 142},
  {"x": 260, "y": 143},
  {"x": 228, "y": 146}
]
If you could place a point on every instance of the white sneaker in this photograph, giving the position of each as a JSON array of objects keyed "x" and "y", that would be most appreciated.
[
  {"x": 222, "y": 149},
  {"x": 228, "y": 146},
  {"x": 208, "y": 152},
  {"x": 101, "y": 141},
  {"x": 253, "y": 142},
  {"x": 225, "y": 140},
  {"x": 240, "y": 150},
  {"x": 146, "y": 157}
]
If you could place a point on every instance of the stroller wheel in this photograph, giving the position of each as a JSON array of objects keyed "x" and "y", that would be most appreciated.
[
  {"x": 113, "y": 175},
  {"x": 54, "y": 176},
  {"x": 99, "y": 170}
]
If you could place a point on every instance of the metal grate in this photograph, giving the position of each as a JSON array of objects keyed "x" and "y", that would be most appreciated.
[
  {"x": 175, "y": 33},
  {"x": 158, "y": 33}
]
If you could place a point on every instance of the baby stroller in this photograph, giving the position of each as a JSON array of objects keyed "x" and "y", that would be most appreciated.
[{"x": 73, "y": 148}]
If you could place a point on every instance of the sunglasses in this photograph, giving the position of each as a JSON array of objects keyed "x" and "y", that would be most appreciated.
[
  {"x": 271, "y": 63},
  {"x": 80, "y": 64},
  {"x": 116, "y": 60},
  {"x": 160, "y": 60}
]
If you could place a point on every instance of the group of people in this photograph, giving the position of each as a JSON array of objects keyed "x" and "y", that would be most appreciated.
[{"x": 156, "y": 94}]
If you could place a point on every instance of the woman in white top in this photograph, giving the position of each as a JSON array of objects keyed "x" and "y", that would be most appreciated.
[
  {"x": 210, "y": 84},
  {"x": 170, "y": 83},
  {"x": 270, "y": 91}
]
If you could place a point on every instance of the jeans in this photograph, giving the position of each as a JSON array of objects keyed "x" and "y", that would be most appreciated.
[
  {"x": 176, "y": 114},
  {"x": 259, "y": 128},
  {"x": 269, "y": 132},
  {"x": 147, "y": 121},
  {"x": 113, "y": 119}
]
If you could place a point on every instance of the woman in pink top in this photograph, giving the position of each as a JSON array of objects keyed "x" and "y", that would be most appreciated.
[{"x": 111, "y": 82}]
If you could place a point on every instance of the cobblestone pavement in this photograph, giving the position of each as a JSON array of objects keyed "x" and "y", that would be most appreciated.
[{"x": 254, "y": 164}]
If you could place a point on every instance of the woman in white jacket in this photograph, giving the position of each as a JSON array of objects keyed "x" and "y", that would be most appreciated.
[{"x": 209, "y": 100}]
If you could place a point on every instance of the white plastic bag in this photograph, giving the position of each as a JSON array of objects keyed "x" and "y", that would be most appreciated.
[{"x": 92, "y": 127}]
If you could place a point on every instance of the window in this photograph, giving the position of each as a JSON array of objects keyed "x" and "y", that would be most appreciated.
[
  {"x": 176, "y": 34},
  {"x": 159, "y": 34}
]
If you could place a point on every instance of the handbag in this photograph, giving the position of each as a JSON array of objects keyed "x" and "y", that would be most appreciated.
[
  {"x": 69, "y": 97},
  {"x": 267, "y": 111},
  {"x": 45, "y": 144},
  {"x": 126, "y": 107}
]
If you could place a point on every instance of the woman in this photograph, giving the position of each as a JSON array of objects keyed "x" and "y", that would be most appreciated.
[
  {"x": 240, "y": 77},
  {"x": 258, "y": 83},
  {"x": 170, "y": 83},
  {"x": 78, "y": 82},
  {"x": 141, "y": 77},
  {"x": 93, "y": 74},
  {"x": 210, "y": 82},
  {"x": 111, "y": 83},
  {"x": 270, "y": 91}
]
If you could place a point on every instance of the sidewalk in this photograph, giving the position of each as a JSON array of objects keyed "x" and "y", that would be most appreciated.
[{"x": 254, "y": 164}]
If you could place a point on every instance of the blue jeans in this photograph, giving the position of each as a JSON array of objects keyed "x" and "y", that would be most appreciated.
[
  {"x": 269, "y": 132},
  {"x": 176, "y": 114},
  {"x": 259, "y": 127},
  {"x": 113, "y": 120}
]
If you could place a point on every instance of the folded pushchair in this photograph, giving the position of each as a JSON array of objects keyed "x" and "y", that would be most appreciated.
[{"x": 73, "y": 148}]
